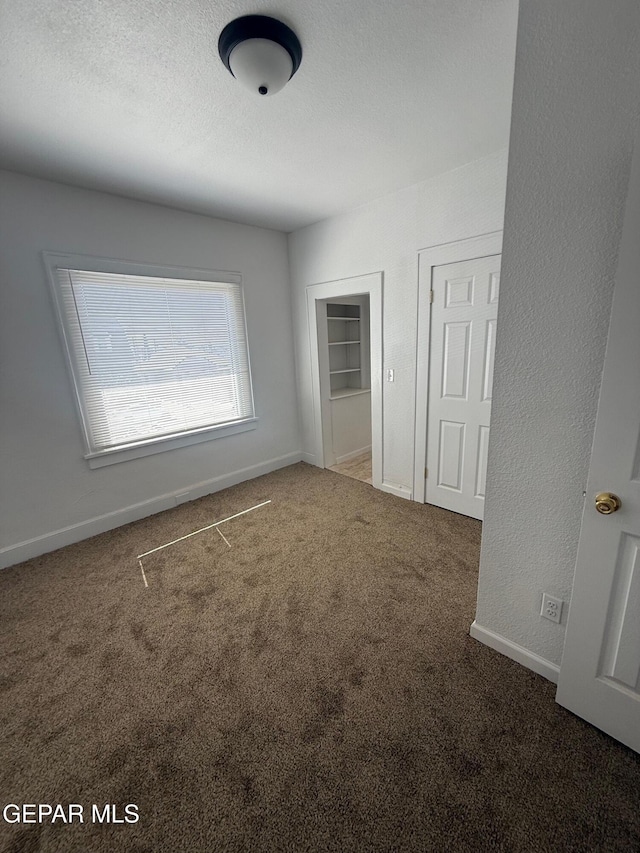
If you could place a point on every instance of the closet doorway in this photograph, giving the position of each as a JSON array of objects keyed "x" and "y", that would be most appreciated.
[
  {"x": 345, "y": 378},
  {"x": 345, "y": 325}
]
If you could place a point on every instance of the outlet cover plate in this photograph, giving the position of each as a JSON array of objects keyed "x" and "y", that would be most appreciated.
[{"x": 551, "y": 608}]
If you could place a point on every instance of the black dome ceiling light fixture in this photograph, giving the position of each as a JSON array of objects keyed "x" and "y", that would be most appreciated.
[{"x": 261, "y": 52}]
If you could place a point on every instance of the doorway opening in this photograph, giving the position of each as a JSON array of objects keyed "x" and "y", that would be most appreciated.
[
  {"x": 345, "y": 384},
  {"x": 345, "y": 331}
]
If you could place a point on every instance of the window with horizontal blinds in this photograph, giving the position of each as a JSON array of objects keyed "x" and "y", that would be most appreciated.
[{"x": 154, "y": 357}]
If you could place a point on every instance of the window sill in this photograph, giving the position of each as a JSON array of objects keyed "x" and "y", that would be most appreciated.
[{"x": 171, "y": 442}]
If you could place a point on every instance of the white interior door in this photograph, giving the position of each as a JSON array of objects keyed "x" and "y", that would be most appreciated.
[
  {"x": 463, "y": 334},
  {"x": 600, "y": 672}
]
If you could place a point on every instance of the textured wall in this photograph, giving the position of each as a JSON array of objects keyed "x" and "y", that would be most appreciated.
[
  {"x": 46, "y": 483},
  {"x": 387, "y": 235},
  {"x": 351, "y": 424},
  {"x": 574, "y": 107}
]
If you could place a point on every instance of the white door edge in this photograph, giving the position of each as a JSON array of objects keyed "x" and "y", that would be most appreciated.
[
  {"x": 600, "y": 671},
  {"x": 435, "y": 256}
]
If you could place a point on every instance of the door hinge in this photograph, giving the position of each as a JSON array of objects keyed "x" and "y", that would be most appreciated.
[
  {"x": 431, "y": 296},
  {"x": 425, "y": 473}
]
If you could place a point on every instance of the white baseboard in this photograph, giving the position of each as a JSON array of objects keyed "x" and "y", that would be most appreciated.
[
  {"x": 542, "y": 666},
  {"x": 352, "y": 455},
  {"x": 309, "y": 458},
  {"x": 100, "y": 524},
  {"x": 395, "y": 489}
]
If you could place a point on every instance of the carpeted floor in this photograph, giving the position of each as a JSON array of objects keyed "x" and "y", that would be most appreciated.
[{"x": 311, "y": 688}]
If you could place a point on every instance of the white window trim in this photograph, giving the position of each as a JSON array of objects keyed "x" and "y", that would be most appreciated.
[
  {"x": 167, "y": 442},
  {"x": 146, "y": 447}
]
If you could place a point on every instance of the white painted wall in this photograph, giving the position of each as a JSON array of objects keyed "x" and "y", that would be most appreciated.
[
  {"x": 46, "y": 484},
  {"x": 351, "y": 425},
  {"x": 574, "y": 107},
  {"x": 386, "y": 235}
]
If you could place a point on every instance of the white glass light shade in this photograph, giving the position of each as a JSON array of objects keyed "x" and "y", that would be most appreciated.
[{"x": 262, "y": 65}]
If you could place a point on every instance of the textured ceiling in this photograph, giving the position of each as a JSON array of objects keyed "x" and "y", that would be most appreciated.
[{"x": 130, "y": 96}]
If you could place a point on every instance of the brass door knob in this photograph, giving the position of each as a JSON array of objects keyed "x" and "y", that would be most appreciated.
[{"x": 606, "y": 503}]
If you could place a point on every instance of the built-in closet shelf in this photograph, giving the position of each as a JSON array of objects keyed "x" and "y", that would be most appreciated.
[
  {"x": 348, "y": 392},
  {"x": 345, "y": 375},
  {"x": 347, "y": 349}
]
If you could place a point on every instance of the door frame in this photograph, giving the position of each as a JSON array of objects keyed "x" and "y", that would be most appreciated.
[
  {"x": 481, "y": 246},
  {"x": 363, "y": 285}
]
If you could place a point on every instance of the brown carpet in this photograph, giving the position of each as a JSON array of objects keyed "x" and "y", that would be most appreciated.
[{"x": 311, "y": 688}]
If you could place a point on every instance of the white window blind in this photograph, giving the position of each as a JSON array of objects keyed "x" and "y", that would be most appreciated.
[{"x": 154, "y": 357}]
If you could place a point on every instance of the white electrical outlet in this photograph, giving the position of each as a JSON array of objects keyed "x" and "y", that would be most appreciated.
[{"x": 551, "y": 607}]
